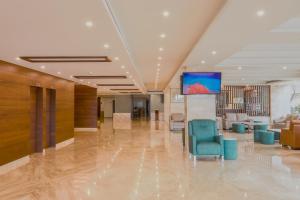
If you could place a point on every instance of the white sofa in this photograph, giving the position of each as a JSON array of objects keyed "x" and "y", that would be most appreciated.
[
  {"x": 231, "y": 118},
  {"x": 176, "y": 121}
]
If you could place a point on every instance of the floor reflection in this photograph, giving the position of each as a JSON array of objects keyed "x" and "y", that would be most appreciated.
[{"x": 148, "y": 162}]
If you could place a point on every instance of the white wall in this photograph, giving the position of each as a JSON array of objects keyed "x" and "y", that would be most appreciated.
[
  {"x": 200, "y": 107},
  {"x": 107, "y": 106},
  {"x": 280, "y": 100}
]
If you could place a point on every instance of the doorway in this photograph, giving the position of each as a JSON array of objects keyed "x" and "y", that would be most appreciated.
[
  {"x": 50, "y": 117},
  {"x": 36, "y": 114}
]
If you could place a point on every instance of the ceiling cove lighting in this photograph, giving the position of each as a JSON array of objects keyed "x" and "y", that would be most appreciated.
[
  {"x": 100, "y": 77},
  {"x": 63, "y": 59},
  {"x": 260, "y": 13},
  {"x": 89, "y": 24}
]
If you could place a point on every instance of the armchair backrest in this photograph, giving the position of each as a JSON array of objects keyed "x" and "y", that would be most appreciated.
[
  {"x": 205, "y": 130},
  {"x": 294, "y": 124}
]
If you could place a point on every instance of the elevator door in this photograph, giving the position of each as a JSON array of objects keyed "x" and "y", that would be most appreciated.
[
  {"x": 36, "y": 114},
  {"x": 50, "y": 117}
]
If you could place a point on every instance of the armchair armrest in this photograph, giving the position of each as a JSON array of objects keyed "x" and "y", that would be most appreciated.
[
  {"x": 193, "y": 144},
  {"x": 220, "y": 139}
]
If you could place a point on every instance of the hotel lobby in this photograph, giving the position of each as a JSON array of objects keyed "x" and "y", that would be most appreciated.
[{"x": 149, "y": 100}]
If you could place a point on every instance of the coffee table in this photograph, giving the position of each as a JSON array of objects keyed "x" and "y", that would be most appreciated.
[
  {"x": 250, "y": 125},
  {"x": 277, "y": 132}
]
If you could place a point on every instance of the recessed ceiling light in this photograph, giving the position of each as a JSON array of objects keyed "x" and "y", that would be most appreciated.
[
  {"x": 90, "y": 72},
  {"x": 127, "y": 72},
  {"x": 18, "y": 58},
  {"x": 158, "y": 64},
  {"x": 89, "y": 24},
  {"x": 89, "y": 82},
  {"x": 71, "y": 76},
  {"x": 81, "y": 80},
  {"x": 58, "y": 72},
  {"x": 116, "y": 58},
  {"x": 123, "y": 67},
  {"x": 202, "y": 61},
  {"x": 260, "y": 13},
  {"x": 162, "y": 35},
  {"x": 166, "y": 13},
  {"x": 284, "y": 67},
  {"x": 158, "y": 69},
  {"x": 213, "y": 52},
  {"x": 161, "y": 49},
  {"x": 130, "y": 76},
  {"x": 159, "y": 58},
  {"x": 106, "y": 46},
  {"x": 43, "y": 67},
  {"x": 240, "y": 68}
]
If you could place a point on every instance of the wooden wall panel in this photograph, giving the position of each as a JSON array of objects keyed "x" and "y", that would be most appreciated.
[
  {"x": 253, "y": 100},
  {"x": 85, "y": 107},
  {"x": 15, "y": 126}
]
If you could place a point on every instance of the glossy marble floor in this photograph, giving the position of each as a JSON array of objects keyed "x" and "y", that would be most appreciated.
[{"x": 148, "y": 163}]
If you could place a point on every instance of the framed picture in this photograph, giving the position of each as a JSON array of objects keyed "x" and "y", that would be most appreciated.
[{"x": 176, "y": 96}]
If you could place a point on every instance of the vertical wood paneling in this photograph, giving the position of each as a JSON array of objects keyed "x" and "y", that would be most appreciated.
[
  {"x": 256, "y": 100},
  {"x": 15, "y": 123}
]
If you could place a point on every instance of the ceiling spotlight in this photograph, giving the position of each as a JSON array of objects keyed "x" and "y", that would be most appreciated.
[
  {"x": 202, "y": 61},
  {"x": 123, "y": 67},
  {"x": 89, "y": 24},
  {"x": 106, "y": 46},
  {"x": 18, "y": 58},
  {"x": 159, "y": 58},
  {"x": 90, "y": 72},
  {"x": 213, "y": 52},
  {"x": 127, "y": 72},
  {"x": 161, "y": 49},
  {"x": 260, "y": 13},
  {"x": 71, "y": 76},
  {"x": 89, "y": 82},
  {"x": 162, "y": 35},
  {"x": 58, "y": 72},
  {"x": 116, "y": 58},
  {"x": 284, "y": 67},
  {"x": 166, "y": 13},
  {"x": 158, "y": 65},
  {"x": 43, "y": 67},
  {"x": 240, "y": 68}
]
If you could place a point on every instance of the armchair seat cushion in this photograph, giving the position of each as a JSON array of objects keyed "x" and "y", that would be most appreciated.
[{"x": 208, "y": 148}]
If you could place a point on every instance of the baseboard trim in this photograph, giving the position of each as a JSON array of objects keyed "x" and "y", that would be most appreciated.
[
  {"x": 85, "y": 129},
  {"x": 64, "y": 143},
  {"x": 14, "y": 165}
]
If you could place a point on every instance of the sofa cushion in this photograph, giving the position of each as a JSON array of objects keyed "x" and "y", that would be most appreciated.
[
  {"x": 208, "y": 148},
  {"x": 177, "y": 117},
  {"x": 242, "y": 117},
  {"x": 231, "y": 116}
]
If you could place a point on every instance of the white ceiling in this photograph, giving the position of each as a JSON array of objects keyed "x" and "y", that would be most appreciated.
[
  {"x": 262, "y": 46},
  {"x": 241, "y": 38}
]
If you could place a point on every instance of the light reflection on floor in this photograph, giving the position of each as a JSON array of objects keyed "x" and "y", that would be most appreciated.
[{"x": 148, "y": 162}]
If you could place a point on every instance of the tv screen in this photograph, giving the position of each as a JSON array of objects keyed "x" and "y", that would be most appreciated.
[{"x": 201, "y": 83}]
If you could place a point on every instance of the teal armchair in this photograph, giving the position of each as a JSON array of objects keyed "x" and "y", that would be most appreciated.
[{"x": 204, "y": 138}]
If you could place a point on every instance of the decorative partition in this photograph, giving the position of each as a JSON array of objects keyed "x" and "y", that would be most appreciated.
[{"x": 253, "y": 100}]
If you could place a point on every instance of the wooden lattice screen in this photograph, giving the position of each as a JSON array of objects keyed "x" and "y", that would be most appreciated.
[{"x": 253, "y": 100}]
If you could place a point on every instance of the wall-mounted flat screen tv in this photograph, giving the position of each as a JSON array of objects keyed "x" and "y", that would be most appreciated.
[{"x": 201, "y": 83}]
